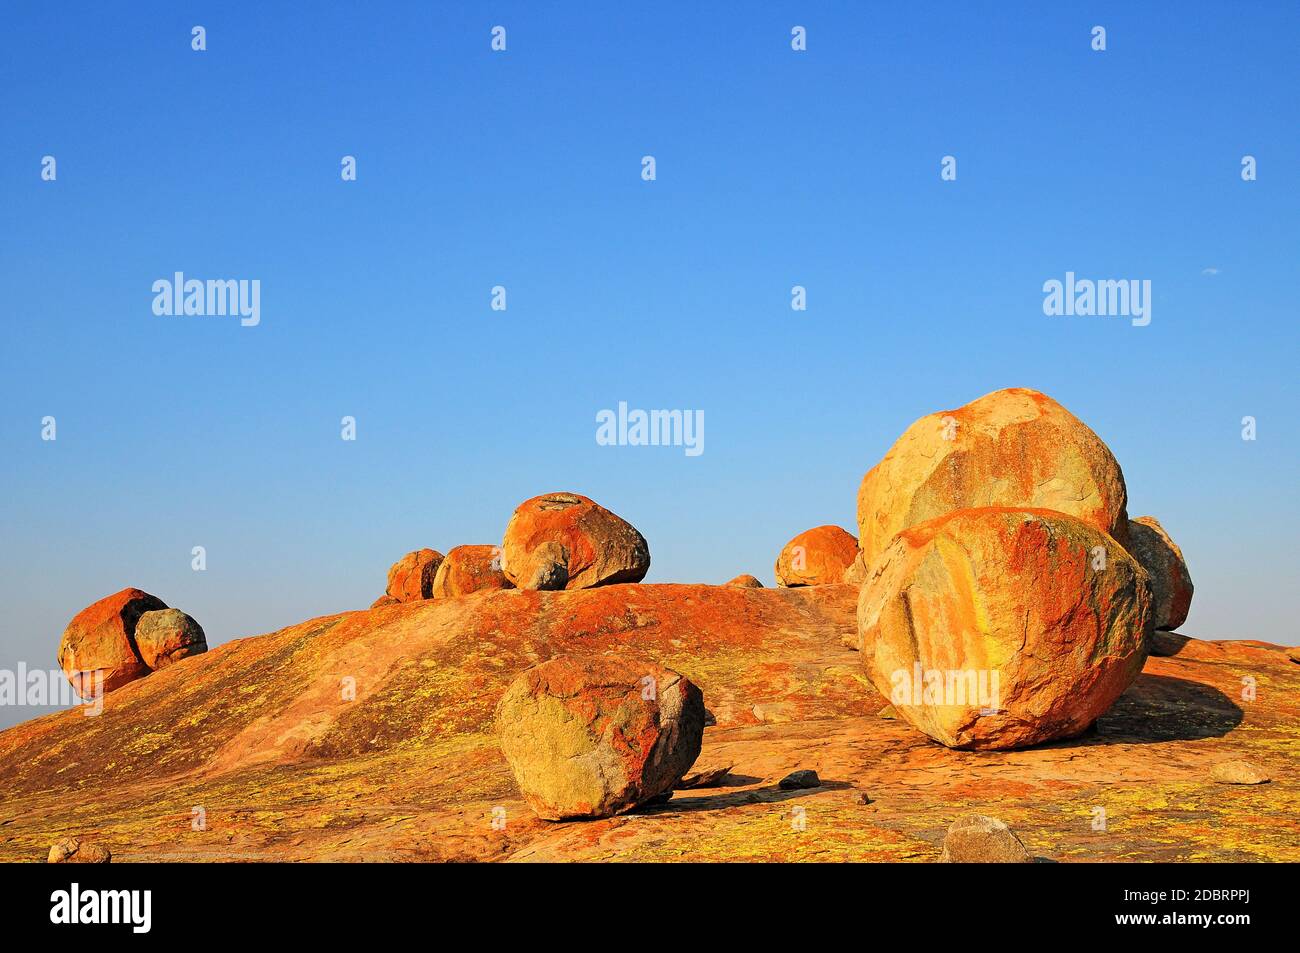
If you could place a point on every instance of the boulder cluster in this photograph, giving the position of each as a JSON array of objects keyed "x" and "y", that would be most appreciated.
[
  {"x": 124, "y": 637},
  {"x": 553, "y": 541},
  {"x": 1007, "y": 599}
]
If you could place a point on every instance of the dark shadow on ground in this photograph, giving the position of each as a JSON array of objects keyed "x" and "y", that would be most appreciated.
[{"x": 692, "y": 801}]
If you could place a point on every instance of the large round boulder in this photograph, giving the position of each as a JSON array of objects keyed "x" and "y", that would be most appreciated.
[
  {"x": 595, "y": 736},
  {"x": 1002, "y": 628},
  {"x": 816, "y": 557},
  {"x": 1013, "y": 447},
  {"x": 468, "y": 569},
  {"x": 1171, "y": 584},
  {"x": 98, "y": 653},
  {"x": 411, "y": 578},
  {"x": 567, "y": 541},
  {"x": 165, "y": 636}
]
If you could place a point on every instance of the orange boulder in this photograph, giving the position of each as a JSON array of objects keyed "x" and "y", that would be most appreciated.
[
  {"x": 745, "y": 581},
  {"x": 567, "y": 541},
  {"x": 98, "y": 650},
  {"x": 594, "y": 736},
  {"x": 1012, "y": 447},
  {"x": 411, "y": 577},
  {"x": 1003, "y": 628},
  {"x": 1171, "y": 584},
  {"x": 468, "y": 569},
  {"x": 816, "y": 557}
]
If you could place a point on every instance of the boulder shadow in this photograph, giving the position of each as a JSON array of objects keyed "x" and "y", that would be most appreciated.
[
  {"x": 688, "y": 801},
  {"x": 1164, "y": 708}
]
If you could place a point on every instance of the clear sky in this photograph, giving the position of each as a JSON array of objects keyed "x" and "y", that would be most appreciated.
[{"x": 523, "y": 169}]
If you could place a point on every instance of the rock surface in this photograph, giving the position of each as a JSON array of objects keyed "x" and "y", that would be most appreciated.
[
  {"x": 798, "y": 780},
  {"x": 384, "y": 600},
  {"x": 74, "y": 850},
  {"x": 998, "y": 628},
  {"x": 1239, "y": 772},
  {"x": 594, "y": 736},
  {"x": 1171, "y": 584},
  {"x": 978, "y": 839},
  {"x": 410, "y": 769},
  {"x": 165, "y": 636},
  {"x": 745, "y": 581},
  {"x": 469, "y": 569},
  {"x": 1013, "y": 447},
  {"x": 816, "y": 557},
  {"x": 411, "y": 578},
  {"x": 98, "y": 647},
  {"x": 567, "y": 541}
]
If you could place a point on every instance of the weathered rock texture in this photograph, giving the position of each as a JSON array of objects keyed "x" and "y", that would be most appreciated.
[
  {"x": 469, "y": 569},
  {"x": 594, "y": 736},
  {"x": 98, "y": 646},
  {"x": 979, "y": 839},
  {"x": 1012, "y": 447},
  {"x": 1171, "y": 584},
  {"x": 816, "y": 557},
  {"x": 410, "y": 769},
  {"x": 74, "y": 850},
  {"x": 566, "y": 541},
  {"x": 411, "y": 578},
  {"x": 1002, "y": 628},
  {"x": 745, "y": 581},
  {"x": 165, "y": 636}
]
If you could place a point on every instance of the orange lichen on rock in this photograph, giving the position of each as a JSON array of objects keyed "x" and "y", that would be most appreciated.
[
  {"x": 1012, "y": 447},
  {"x": 98, "y": 649},
  {"x": 567, "y": 541},
  {"x": 1001, "y": 628},
  {"x": 468, "y": 569},
  {"x": 816, "y": 557},
  {"x": 411, "y": 578}
]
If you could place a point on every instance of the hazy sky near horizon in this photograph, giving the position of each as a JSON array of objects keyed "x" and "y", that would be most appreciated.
[{"x": 774, "y": 168}]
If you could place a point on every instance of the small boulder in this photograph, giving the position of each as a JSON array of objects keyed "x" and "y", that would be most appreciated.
[
  {"x": 816, "y": 557},
  {"x": 165, "y": 636},
  {"x": 1014, "y": 447},
  {"x": 468, "y": 569},
  {"x": 74, "y": 850},
  {"x": 982, "y": 840},
  {"x": 1238, "y": 772},
  {"x": 596, "y": 736},
  {"x": 1171, "y": 584},
  {"x": 1002, "y": 628},
  {"x": 411, "y": 577},
  {"x": 567, "y": 541},
  {"x": 98, "y": 651},
  {"x": 384, "y": 600},
  {"x": 797, "y": 780},
  {"x": 745, "y": 581}
]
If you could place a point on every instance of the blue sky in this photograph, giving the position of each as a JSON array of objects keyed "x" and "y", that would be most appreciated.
[{"x": 522, "y": 168}]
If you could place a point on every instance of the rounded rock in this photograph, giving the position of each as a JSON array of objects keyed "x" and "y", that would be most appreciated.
[
  {"x": 468, "y": 569},
  {"x": 165, "y": 636},
  {"x": 1001, "y": 628},
  {"x": 1014, "y": 447},
  {"x": 98, "y": 651},
  {"x": 816, "y": 557},
  {"x": 595, "y": 736},
  {"x": 567, "y": 541},
  {"x": 1171, "y": 583},
  {"x": 411, "y": 578}
]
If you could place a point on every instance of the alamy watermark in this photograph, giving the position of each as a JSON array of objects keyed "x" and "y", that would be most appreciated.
[
  {"x": 40, "y": 687},
  {"x": 651, "y": 428},
  {"x": 976, "y": 688},
  {"x": 216, "y": 296},
  {"x": 1124, "y": 297}
]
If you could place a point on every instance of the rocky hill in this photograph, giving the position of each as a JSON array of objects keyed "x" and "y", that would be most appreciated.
[{"x": 369, "y": 736}]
